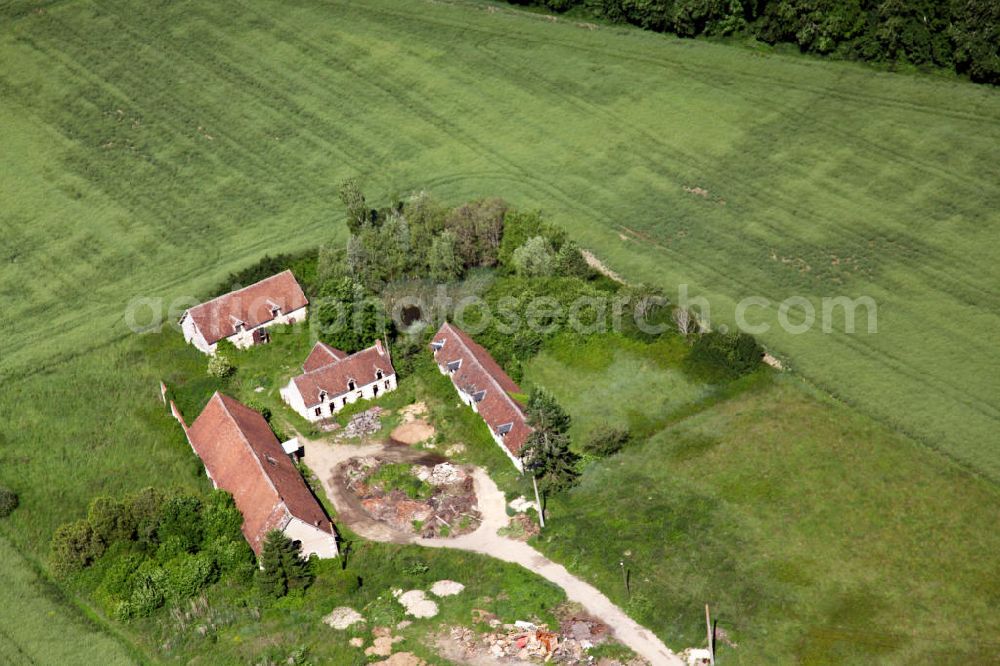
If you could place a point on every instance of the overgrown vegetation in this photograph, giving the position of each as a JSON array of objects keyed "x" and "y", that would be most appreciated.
[
  {"x": 962, "y": 35},
  {"x": 148, "y": 548},
  {"x": 399, "y": 476}
]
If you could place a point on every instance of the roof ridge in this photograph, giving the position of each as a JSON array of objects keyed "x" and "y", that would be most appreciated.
[
  {"x": 236, "y": 291},
  {"x": 489, "y": 374},
  {"x": 249, "y": 446}
]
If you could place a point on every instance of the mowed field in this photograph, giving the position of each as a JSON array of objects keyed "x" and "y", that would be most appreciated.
[{"x": 150, "y": 148}]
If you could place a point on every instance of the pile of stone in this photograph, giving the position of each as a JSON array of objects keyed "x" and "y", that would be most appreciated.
[
  {"x": 525, "y": 642},
  {"x": 364, "y": 423},
  {"x": 451, "y": 509},
  {"x": 444, "y": 474}
]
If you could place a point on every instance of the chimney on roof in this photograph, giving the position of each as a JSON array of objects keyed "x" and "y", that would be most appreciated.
[{"x": 379, "y": 348}]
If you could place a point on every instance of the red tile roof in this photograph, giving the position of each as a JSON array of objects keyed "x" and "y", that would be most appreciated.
[
  {"x": 251, "y": 305},
  {"x": 321, "y": 356},
  {"x": 477, "y": 373},
  {"x": 332, "y": 378},
  {"x": 244, "y": 457}
]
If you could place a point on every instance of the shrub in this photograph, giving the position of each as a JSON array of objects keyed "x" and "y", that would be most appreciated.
[
  {"x": 534, "y": 258},
  {"x": 569, "y": 262},
  {"x": 219, "y": 365},
  {"x": 8, "y": 502},
  {"x": 180, "y": 524},
  {"x": 74, "y": 547},
  {"x": 147, "y": 592},
  {"x": 109, "y": 520},
  {"x": 143, "y": 514},
  {"x": 725, "y": 354},
  {"x": 606, "y": 441},
  {"x": 188, "y": 574}
]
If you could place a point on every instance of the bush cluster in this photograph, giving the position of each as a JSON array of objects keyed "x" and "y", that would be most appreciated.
[
  {"x": 725, "y": 355},
  {"x": 606, "y": 441},
  {"x": 152, "y": 548}
]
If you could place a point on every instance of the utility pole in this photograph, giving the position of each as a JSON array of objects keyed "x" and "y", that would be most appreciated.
[
  {"x": 711, "y": 637},
  {"x": 628, "y": 588}
]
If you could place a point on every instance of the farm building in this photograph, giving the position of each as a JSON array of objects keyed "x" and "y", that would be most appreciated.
[
  {"x": 331, "y": 379},
  {"x": 483, "y": 385},
  {"x": 243, "y": 316},
  {"x": 242, "y": 456}
]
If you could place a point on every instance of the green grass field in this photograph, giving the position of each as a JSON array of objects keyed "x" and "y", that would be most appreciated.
[
  {"x": 149, "y": 149},
  {"x": 816, "y": 536},
  {"x": 37, "y": 626}
]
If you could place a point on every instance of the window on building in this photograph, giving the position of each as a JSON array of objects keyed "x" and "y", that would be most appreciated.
[
  {"x": 387, "y": 383},
  {"x": 319, "y": 411},
  {"x": 378, "y": 374},
  {"x": 351, "y": 385}
]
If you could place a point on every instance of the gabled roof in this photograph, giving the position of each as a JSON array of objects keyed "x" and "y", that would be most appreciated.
[
  {"x": 332, "y": 379},
  {"x": 244, "y": 457},
  {"x": 322, "y": 355},
  {"x": 476, "y": 374},
  {"x": 251, "y": 306}
]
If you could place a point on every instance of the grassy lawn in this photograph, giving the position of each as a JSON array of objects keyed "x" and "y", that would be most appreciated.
[
  {"x": 37, "y": 626},
  {"x": 815, "y": 535},
  {"x": 616, "y": 381}
]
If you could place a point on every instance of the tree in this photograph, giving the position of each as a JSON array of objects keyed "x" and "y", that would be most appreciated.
[
  {"x": 534, "y": 258},
  {"x": 109, "y": 520},
  {"x": 282, "y": 566},
  {"x": 348, "y": 317},
  {"x": 546, "y": 455},
  {"x": 518, "y": 227},
  {"x": 686, "y": 321},
  {"x": 353, "y": 199},
  {"x": 443, "y": 262},
  {"x": 569, "y": 262},
  {"x": 180, "y": 526},
  {"x": 478, "y": 227},
  {"x": 975, "y": 33}
]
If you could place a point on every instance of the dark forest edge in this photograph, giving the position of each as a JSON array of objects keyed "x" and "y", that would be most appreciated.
[{"x": 962, "y": 36}]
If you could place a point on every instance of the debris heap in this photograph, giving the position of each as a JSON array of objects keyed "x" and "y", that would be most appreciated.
[{"x": 364, "y": 423}]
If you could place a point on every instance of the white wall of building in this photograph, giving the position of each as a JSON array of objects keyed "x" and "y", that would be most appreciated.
[
  {"x": 333, "y": 404},
  {"x": 194, "y": 337},
  {"x": 314, "y": 540},
  {"x": 241, "y": 340}
]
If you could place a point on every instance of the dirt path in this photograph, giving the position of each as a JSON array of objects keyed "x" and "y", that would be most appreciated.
[{"x": 323, "y": 458}]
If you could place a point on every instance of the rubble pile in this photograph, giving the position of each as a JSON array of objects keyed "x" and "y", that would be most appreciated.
[
  {"x": 524, "y": 642},
  {"x": 449, "y": 511},
  {"x": 364, "y": 423}
]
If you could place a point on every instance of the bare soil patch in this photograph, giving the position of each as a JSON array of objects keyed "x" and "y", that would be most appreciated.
[
  {"x": 443, "y": 506},
  {"x": 413, "y": 432}
]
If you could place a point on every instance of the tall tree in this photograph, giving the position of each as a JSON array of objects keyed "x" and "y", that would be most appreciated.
[
  {"x": 353, "y": 199},
  {"x": 546, "y": 455},
  {"x": 282, "y": 566}
]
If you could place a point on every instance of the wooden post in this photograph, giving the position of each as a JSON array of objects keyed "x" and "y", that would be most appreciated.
[
  {"x": 538, "y": 502},
  {"x": 711, "y": 638}
]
